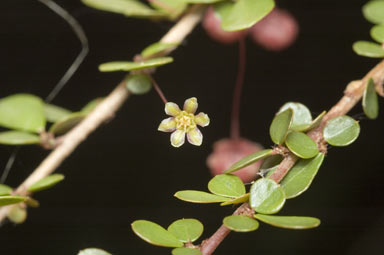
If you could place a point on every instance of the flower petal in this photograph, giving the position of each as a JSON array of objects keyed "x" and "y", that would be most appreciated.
[
  {"x": 195, "y": 137},
  {"x": 177, "y": 138},
  {"x": 190, "y": 105},
  {"x": 172, "y": 109},
  {"x": 202, "y": 119},
  {"x": 167, "y": 125}
]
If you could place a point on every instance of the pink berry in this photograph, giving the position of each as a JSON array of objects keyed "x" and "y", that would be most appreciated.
[
  {"x": 277, "y": 31},
  {"x": 212, "y": 25},
  {"x": 227, "y": 151}
]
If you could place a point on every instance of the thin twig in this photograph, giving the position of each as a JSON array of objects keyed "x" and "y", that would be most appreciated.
[{"x": 158, "y": 90}]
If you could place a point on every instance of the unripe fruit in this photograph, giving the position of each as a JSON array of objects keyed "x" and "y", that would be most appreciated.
[
  {"x": 212, "y": 25},
  {"x": 276, "y": 31},
  {"x": 226, "y": 152}
]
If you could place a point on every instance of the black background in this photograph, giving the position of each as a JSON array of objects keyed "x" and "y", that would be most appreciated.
[{"x": 127, "y": 170}]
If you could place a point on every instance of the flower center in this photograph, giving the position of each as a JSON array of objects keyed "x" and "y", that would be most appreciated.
[{"x": 185, "y": 121}]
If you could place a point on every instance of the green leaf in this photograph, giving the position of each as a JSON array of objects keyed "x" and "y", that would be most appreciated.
[
  {"x": 341, "y": 131},
  {"x": 186, "y": 230},
  {"x": 202, "y": 1},
  {"x": 195, "y": 196},
  {"x": 250, "y": 159},
  {"x": 186, "y": 251},
  {"x": 155, "y": 234},
  {"x": 22, "y": 112},
  {"x": 370, "y": 100},
  {"x": 302, "y": 117},
  {"x": 301, "y": 145},
  {"x": 157, "y": 48},
  {"x": 368, "y": 49},
  {"x": 271, "y": 162},
  {"x": 266, "y": 196},
  {"x": 173, "y": 8},
  {"x": 316, "y": 122},
  {"x": 88, "y": 108},
  {"x": 5, "y": 190},
  {"x": 129, "y": 66},
  {"x": 239, "y": 200},
  {"x": 242, "y": 14},
  {"x": 280, "y": 126},
  {"x": 130, "y": 8},
  {"x": 226, "y": 185},
  {"x": 300, "y": 177},
  {"x": 377, "y": 33},
  {"x": 93, "y": 251},
  {"x": 373, "y": 11},
  {"x": 138, "y": 84},
  {"x": 240, "y": 223},
  {"x": 17, "y": 215},
  {"x": 46, "y": 182},
  {"x": 63, "y": 126},
  {"x": 9, "y": 200},
  {"x": 18, "y": 138},
  {"x": 54, "y": 113},
  {"x": 291, "y": 222}
]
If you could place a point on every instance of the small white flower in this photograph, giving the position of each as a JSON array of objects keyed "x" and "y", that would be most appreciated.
[{"x": 184, "y": 122}]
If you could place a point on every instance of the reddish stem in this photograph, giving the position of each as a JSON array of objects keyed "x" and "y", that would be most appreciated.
[{"x": 158, "y": 90}]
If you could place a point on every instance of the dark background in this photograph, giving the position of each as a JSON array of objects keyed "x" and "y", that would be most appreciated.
[{"x": 127, "y": 170}]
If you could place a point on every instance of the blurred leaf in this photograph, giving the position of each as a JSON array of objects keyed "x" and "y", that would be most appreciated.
[
  {"x": 377, "y": 33},
  {"x": 300, "y": 177},
  {"x": 244, "y": 198},
  {"x": 202, "y": 1},
  {"x": 186, "y": 230},
  {"x": 130, "y": 8},
  {"x": 240, "y": 223},
  {"x": 370, "y": 100},
  {"x": 9, "y": 200},
  {"x": 88, "y": 108},
  {"x": 46, "y": 182},
  {"x": 18, "y": 138},
  {"x": 186, "y": 251},
  {"x": 155, "y": 234},
  {"x": 22, "y": 112},
  {"x": 242, "y": 14},
  {"x": 32, "y": 202},
  {"x": 250, "y": 159},
  {"x": 280, "y": 126},
  {"x": 226, "y": 185},
  {"x": 341, "y": 131},
  {"x": 129, "y": 66},
  {"x": 5, "y": 190},
  {"x": 63, "y": 126},
  {"x": 17, "y": 215},
  {"x": 173, "y": 8},
  {"x": 316, "y": 122},
  {"x": 368, "y": 49},
  {"x": 301, "y": 145},
  {"x": 302, "y": 117},
  {"x": 373, "y": 11},
  {"x": 195, "y": 196},
  {"x": 291, "y": 222},
  {"x": 266, "y": 196},
  {"x": 93, "y": 251},
  {"x": 138, "y": 84},
  {"x": 158, "y": 47},
  {"x": 54, "y": 113}
]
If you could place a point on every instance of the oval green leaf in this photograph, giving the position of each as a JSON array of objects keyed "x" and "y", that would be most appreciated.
[
  {"x": 226, "y": 185},
  {"x": 202, "y": 1},
  {"x": 300, "y": 177},
  {"x": 368, "y": 49},
  {"x": 301, "y": 145},
  {"x": 22, "y": 112},
  {"x": 239, "y": 200},
  {"x": 138, "y": 84},
  {"x": 17, "y": 215},
  {"x": 373, "y": 11},
  {"x": 186, "y": 230},
  {"x": 93, "y": 251},
  {"x": 250, "y": 159},
  {"x": 89, "y": 107},
  {"x": 5, "y": 190},
  {"x": 370, "y": 100},
  {"x": 280, "y": 126},
  {"x": 302, "y": 117},
  {"x": 341, "y": 131},
  {"x": 158, "y": 48},
  {"x": 316, "y": 122},
  {"x": 290, "y": 222},
  {"x": 129, "y": 66},
  {"x": 186, "y": 251},
  {"x": 270, "y": 163},
  {"x": 46, "y": 182},
  {"x": 63, "y": 126},
  {"x": 377, "y": 33},
  {"x": 18, "y": 138},
  {"x": 155, "y": 234},
  {"x": 266, "y": 196},
  {"x": 239, "y": 223},
  {"x": 9, "y": 200},
  {"x": 195, "y": 196},
  {"x": 54, "y": 113}
]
